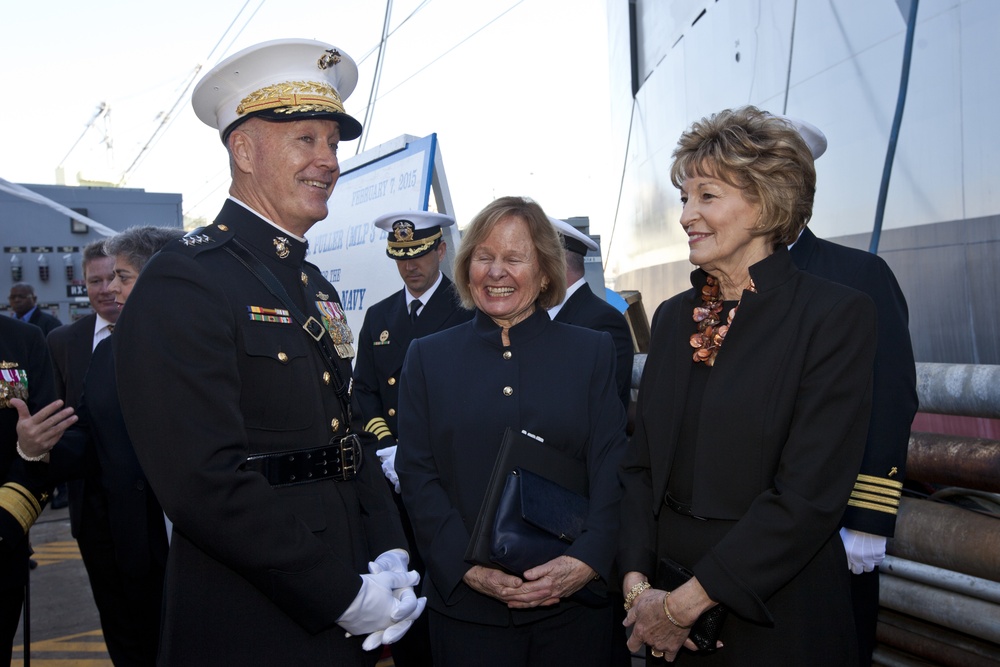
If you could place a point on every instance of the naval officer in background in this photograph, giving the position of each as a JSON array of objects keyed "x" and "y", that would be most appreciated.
[
  {"x": 427, "y": 303},
  {"x": 585, "y": 309},
  {"x": 233, "y": 366},
  {"x": 870, "y": 518}
]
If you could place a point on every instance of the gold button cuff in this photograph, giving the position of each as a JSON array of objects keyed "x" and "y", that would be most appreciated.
[
  {"x": 508, "y": 391},
  {"x": 391, "y": 381},
  {"x": 507, "y": 355},
  {"x": 392, "y": 412}
]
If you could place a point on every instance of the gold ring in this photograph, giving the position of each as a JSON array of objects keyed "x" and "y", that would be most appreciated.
[{"x": 656, "y": 654}]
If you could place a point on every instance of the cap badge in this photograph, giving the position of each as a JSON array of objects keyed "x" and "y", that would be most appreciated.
[
  {"x": 281, "y": 247},
  {"x": 329, "y": 58},
  {"x": 403, "y": 230}
]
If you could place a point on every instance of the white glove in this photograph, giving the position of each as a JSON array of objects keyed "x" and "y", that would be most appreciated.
[
  {"x": 395, "y": 631},
  {"x": 394, "y": 560},
  {"x": 379, "y": 605},
  {"x": 388, "y": 457},
  {"x": 865, "y": 551}
]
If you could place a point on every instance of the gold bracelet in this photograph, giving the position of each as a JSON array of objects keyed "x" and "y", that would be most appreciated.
[
  {"x": 670, "y": 617},
  {"x": 634, "y": 592}
]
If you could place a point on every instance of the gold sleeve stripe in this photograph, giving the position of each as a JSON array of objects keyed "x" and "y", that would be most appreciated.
[
  {"x": 887, "y": 493},
  {"x": 894, "y": 502},
  {"x": 378, "y": 428},
  {"x": 881, "y": 481},
  {"x": 20, "y": 504},
  {"x": 872, "y": 506}
]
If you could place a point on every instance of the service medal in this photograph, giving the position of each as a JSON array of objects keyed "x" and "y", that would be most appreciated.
[
  {"x": 13, "y": 383},
  {"x": 336, "y": 325}
]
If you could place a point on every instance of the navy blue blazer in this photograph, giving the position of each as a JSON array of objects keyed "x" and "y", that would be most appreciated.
[
  {"x": 586, "y": 309},
  {"x": 875, "y": 499},
  {"x": 459, "y": 391}
]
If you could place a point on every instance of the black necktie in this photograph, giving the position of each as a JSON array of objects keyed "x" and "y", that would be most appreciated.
[{"x": 414, "y": 307}]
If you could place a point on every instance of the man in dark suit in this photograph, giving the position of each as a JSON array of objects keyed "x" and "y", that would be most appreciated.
[
  {"x": 428, "y": 303},
  {"x": 24, "y": 303},
  {"x": 25, "y": 378},
  {"x": 585, "y": 309},
  {"x": 233, "y": 366},
  {"x": 871, "y": 512},
  {"x": 71, "y": 347}
]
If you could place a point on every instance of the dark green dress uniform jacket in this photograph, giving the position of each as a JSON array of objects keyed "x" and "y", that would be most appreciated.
[
  {"x": 781, "y": 432},
  {"x": 382, "y": 343},
  {"x": 877, "y": 490},
  {"x": 255, "y": 574},
  {"x": 461, "y": 389}
]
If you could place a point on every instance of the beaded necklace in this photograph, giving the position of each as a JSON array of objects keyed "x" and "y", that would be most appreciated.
[{"x": 707, "y": 341}]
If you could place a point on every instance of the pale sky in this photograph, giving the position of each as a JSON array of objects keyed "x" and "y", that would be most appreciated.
[{"x": 516, "y": 91}]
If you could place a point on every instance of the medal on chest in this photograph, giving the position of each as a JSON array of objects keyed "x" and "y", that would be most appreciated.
[
  {"x": 13, "y": 383},
  {"x": 336, "y": 325}
]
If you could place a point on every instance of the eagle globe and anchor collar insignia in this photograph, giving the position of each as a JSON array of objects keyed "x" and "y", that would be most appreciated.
[{"x": 13, "y": 383}]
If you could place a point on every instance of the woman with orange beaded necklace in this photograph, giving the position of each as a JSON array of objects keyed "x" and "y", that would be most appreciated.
[{"x": 751, "y": 419}]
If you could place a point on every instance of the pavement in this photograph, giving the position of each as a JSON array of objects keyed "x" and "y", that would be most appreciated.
[{"x": 64, "y": 628}]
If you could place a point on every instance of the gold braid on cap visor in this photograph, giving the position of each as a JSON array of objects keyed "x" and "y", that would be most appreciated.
[
  {"x": 411, "y": 248},
  {"x": 292, "y": 97}
]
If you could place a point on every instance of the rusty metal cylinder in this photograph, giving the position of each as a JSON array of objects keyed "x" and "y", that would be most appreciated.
[
  {"x": 947, "y": 537},
  {"x": 932, "y": 642},
  {"x": 951, "y": 460},
  {"x": 959, "y": 389}
]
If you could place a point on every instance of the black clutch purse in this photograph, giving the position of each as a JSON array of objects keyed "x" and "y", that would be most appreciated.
[
  {"x": 536, "y": 520},
  {"x": 706, "y": 630}
]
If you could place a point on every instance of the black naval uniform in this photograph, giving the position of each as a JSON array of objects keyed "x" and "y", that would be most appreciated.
[
  {"x": 585, "y": 309},
  {"x": 879, "y": 486},
  {"x": 382, "y": 344},
  {"x": 212, "y": 370},
  {"x": 24, "y": 364},
  {"x": 385, "y": 336}
]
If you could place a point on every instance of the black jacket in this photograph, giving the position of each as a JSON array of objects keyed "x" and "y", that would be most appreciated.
[
  {"x": 586, "y": 309},
  {"x": 210, "y": 372},
  {"x": 875, "y": 499}
]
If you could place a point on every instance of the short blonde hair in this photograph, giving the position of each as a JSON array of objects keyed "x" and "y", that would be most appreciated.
[
  {"x": 760, "y": 154},
  {"x": 551, "y": 261}
]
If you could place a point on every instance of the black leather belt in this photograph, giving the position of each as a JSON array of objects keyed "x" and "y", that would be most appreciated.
[
  {"x": 340, "y": 461},
  {"x": 680, "y": 508}
]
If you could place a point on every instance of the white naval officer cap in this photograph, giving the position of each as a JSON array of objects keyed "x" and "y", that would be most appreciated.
[
  {"x": 279, "y": 80},
  {"x": 412, "y": 234},
  {"x": 814, "y": 138},
  {"x": 572, "y": 238}
]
